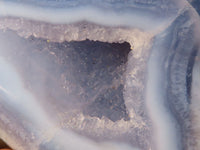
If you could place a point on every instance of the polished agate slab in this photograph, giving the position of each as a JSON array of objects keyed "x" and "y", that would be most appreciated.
[{"x": 99, "y": 75}]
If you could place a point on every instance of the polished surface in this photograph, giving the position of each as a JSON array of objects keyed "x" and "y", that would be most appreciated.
[{"x": 99, "y": 73}]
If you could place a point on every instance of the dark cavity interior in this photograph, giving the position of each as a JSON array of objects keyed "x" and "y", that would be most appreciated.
[
  {"x": 65, "y": 74},
  {"x": 3, "y": 145}
]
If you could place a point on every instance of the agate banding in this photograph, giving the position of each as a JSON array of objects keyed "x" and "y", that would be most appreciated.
[{"x": 91, "y": 74}]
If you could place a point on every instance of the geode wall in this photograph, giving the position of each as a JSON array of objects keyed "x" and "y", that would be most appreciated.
[{"x": 98, "y": 74}]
